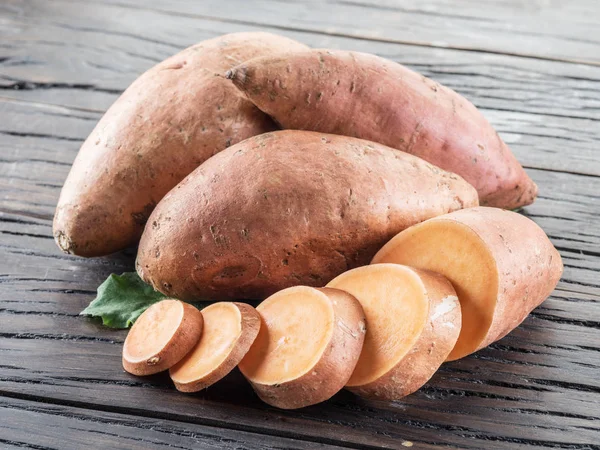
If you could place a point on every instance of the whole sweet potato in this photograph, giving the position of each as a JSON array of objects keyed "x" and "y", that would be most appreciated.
[
  {"x": 288, "y": 208},
  {"x": 501, "y": 264},
  {"x": 362, "y": 95},
  {"x": 169, "y": 121}
]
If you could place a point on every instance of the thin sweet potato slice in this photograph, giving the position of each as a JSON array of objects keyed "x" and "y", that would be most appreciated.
[
  {"x": 413, "y": 321},
  {"x": 229, "y": 331},
  {"x": 307, "y": 347},
  {"x": 501, "y": 264},
  {"x": 161, "y": 336}
]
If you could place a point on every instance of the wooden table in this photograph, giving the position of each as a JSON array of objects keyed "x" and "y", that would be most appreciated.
[{"x": 533, "y": 67}]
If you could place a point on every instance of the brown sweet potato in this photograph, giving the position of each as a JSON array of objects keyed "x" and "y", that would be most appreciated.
[
  {"x": 501, "y": 264},
  {"x": 169, "y": 121},
  {"x": 307, "y": 347},
  {"x": 288, "y": 208},
  {"x": 362, "y": 95},
  {"x": 413, "y": 321}
]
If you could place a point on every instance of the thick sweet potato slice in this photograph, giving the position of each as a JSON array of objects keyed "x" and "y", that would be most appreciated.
[
  {"x": 413, "y": 321},
  {"x": 229, "y": 331},
  {"x": 307, "y": 347},
  {"x": 501, "y": 264},
  {"x": 161, "y": 336}
]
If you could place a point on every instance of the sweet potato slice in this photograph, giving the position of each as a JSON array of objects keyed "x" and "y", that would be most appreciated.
[
  {"x": 161, "y": 336},
  {"x": 501, "y": 264},
  {"x": 307, "y": 347},
  {"x": 413, "y": 321},
  {"x": 229, "y": 331}
]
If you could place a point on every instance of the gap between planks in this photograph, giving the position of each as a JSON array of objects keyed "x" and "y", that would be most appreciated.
[
  {"x": 207, "y": 422},
  {"x": 117, "y": 430}
]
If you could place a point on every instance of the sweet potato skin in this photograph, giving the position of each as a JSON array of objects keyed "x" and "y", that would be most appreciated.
[
  {"x": 431, "y": 349},
  {"x": 528, "y": 267},
  {"x": 362, "y": 95},
  {"x": 169, "y": 121},
  {"x": 288, "y": 208},
  {"x": 334, "y": 368}
]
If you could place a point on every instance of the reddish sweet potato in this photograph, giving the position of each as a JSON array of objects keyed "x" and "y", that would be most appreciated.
[
  {"x": 365, "y": 96},
  {"x": 288, "y": 208},
  {"x": 169, "y": 121},
  {"x": 501, "y": 264}
]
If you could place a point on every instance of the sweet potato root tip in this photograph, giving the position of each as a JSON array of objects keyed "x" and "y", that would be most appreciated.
[
  {"x": 307, "y": 347},
  {"x": 229, "y": 331},
  {"x": 413, "y": 321},
  {"x": 501, "y": 264},
  {"x": 161, "y": 336},
  {"x": 237, "y": 75}
]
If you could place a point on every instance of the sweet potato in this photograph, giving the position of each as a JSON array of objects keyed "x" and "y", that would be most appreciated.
[
  {"x": 169, "y": 121},
  {"x": 362, "y": 95},
  {"x": 229, "y": 331},
  {"x": 413, "y": 321},
  {"x": 161, "y": 336},
  {"x": 288, "y": 208},
  {"x": 501, "y": 264},
  {"x": 307, "y": 346}
]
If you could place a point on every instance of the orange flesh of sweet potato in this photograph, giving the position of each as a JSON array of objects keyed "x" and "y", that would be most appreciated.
[
  {"x": 413, "y": 321},
  {"x": 296, "y": 338},
  {"x": 161, "y": 336},
  {"x": 229, "y": 331},
  {"x": 307, "y": 346},
  {"x": 501, "y": 264}
]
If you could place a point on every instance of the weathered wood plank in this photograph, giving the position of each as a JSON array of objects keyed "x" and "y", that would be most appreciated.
[
  {"x": 530, "y": 411},
  {"x": 564, "y": 31},
  {"x": 538, "y": 386},
  {"x": 70, "y": 51},
  {"x": 27, "y": 424}
]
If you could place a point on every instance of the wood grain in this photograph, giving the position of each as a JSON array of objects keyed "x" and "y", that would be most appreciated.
[
  {"x": 62, "y": 59},
  {"x": 66, "y": 427},
  {"x": 564, "y": 31}
]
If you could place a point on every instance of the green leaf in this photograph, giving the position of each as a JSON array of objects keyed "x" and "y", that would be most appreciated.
[{"x": 121, "y": 299}]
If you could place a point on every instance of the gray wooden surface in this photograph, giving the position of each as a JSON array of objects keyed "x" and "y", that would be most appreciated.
[{"x": 532, "y": 67}]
